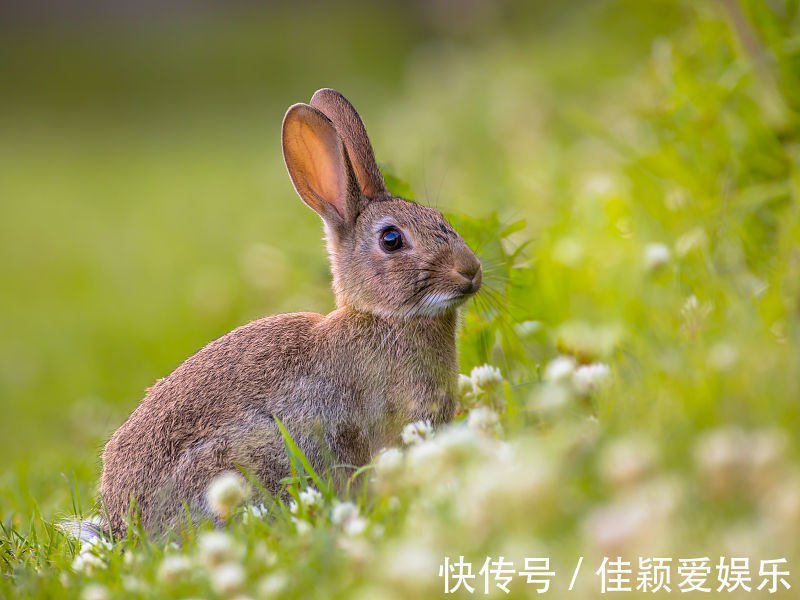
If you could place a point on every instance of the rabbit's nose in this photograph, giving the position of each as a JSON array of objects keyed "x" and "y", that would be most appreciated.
[
  {"x": 468, "y": 266},
  {"x": 470, "y": 271}
]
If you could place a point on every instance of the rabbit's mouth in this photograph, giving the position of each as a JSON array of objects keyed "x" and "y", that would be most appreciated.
[{"x": 439, "y": 303}]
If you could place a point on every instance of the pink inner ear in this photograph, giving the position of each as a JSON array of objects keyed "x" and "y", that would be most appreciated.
[{"x": 324, "y": 167}]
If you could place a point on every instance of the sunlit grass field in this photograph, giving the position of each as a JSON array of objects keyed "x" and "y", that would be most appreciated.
[{"x": 629, "y": 175}]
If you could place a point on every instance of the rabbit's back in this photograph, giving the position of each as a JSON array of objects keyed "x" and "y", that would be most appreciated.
[{"x": 215, "y": 411}]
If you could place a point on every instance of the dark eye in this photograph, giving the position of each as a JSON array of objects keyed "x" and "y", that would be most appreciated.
[{"x": 391, "y": 240}]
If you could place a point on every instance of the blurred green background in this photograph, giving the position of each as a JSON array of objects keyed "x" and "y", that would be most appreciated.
[
  {"x": 652, "y": 149},
  {"x": 146, "y": 209}
]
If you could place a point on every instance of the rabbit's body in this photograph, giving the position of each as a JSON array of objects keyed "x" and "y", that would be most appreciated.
[
  {"x": 217, "y": 409},
  {"x": 344, "y": 384}
]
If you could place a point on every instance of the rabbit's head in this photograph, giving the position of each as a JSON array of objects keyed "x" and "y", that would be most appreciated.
[{"x": 389, "y": 256}]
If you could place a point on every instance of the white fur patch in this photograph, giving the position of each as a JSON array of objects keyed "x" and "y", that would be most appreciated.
[{"x": 435, "y": 304}]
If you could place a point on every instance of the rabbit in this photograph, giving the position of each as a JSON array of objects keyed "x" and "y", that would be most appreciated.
[{"x": 345, "y": 384}]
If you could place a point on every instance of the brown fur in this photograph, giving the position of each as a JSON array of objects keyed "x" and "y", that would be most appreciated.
[{"x": 344, "y": 384}]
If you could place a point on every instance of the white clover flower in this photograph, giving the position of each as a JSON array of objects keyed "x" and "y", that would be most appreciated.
[
  {"x": 63, "y": 579},
  {"x": 780, "y": 506},
  {"x": 311, "y": 498},
  {"x": 639, "y": 519},
  {"x": 589, "y": 378},
  {"x": 747, "y": 540},
  {"x": 526, "y": 328},
  {"x": 263, "y": 555},
  {"x": 765, "y": 456},
  {"x": 228, "y": 579},
  {"x": 618, "y": 527},
  {"x": 569, "y": 251},
  {"x": 465, "y": 385},
  {"x": 255, "y": 512},
  {"x": 662, "y": 493},
  {"x": 389, "y": 462},
  {"x": 174, "y": 568},
  {"x": 655, "y": 256},
  {"x": 424, "y": 461},
  {"x": 99, "y": 543},
  {"x": 355, "y": 547},
  {"x": 302, "y": 526},
  {"x": 343, "y": 511},
  {"x": 355, "y": 526},
  {"x": 227, "y": 491},
  {"x": 767, "y": 449},
  {"x": 515, "y": 482},
  {"x": 723, "y": 356},
  {"x": 600, "y": 184},
  {"x": 720, "y": 455},
  {"x": 627, "y": 460},
  {"x": 483, "y": 420},
  {"x": 486, "y": 377},
  {"x": 133, "y": 559},
  {"x": 217, "y": 547},
  {"x": 347, "y": 515},
  {"x": 417, "y": 432},
  {"x": 550, "y": 399},
  {"x": 504, "y": 452},
  {"x": 408, "y": 563},
  {"x": 132, "y": 584},
  {"x": 88, "y": 562},
  {"x": 94, "y": 591},
  {"x": 433, "y": 460},
  {"x": 458, "y": 442},
  {"x": 560, "y": 369},
  {"x": 272, "y": 585}
]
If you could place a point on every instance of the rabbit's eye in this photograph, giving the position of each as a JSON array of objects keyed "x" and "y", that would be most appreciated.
[{"x": 391, "y": 240}]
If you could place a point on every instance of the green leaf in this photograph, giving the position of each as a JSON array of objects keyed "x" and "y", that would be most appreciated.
[
  {"x": 395, "y": 185},
  {"x": 296, "y": 455},
  {"x": 513, "y": 228}
]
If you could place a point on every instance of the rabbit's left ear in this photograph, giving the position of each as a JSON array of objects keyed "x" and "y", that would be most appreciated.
[
  {"x": 354, "y": 135},
  {"x": 319, "y": 166}
]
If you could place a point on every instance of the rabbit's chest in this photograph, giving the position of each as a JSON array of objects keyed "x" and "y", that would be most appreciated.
[
  {"x": 423, "y": 391},
  {"x": 402, "y": 374}
]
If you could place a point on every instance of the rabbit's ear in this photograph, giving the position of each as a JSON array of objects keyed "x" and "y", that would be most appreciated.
[
  {"x": 351, "y": 129},
  {"x": 319, "y": 166}
]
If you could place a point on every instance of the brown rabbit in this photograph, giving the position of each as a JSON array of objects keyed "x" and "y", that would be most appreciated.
[{"x": 343, "y": 384}]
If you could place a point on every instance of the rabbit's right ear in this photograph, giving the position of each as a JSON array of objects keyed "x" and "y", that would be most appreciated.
[
  {"x": 318, "y": 164},
  {"x": 354, "y": 135}
]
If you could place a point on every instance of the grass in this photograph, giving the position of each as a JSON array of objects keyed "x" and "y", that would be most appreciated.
[{"x": 630, "y": 172}]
